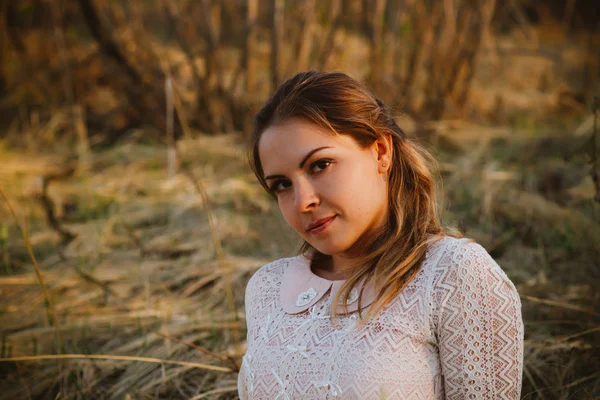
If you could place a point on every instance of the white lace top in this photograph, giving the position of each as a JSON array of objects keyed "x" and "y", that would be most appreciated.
[{"x": 455, "y": 332}]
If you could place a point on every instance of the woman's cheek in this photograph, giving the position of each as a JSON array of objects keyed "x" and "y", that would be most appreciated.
[{"x": 286, "y": 209}]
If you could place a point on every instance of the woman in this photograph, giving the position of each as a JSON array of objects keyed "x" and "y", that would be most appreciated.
[{"x": 381, "y": 302}]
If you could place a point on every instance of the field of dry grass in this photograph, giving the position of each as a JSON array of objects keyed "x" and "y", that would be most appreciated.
[
  {"x": 123, "y": 279},
  {"x": 147, "y": 299}
]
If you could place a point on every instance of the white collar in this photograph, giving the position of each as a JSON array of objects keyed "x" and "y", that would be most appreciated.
[{"x": 301, "y": 289}]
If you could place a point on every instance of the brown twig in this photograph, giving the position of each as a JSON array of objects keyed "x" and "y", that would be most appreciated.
[
  {"x": 48, "y": 204},
  {"x": 561, "y": 305},
  {"x": 94, "y": 281}
]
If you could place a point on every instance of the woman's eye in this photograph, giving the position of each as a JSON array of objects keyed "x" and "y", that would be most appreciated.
[
  {"x": 279, "y": 186},
  {"x": 320, "y": 165}
]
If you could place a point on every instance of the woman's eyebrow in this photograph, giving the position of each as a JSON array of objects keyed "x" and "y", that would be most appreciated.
[{"x": 306, "y": 157}]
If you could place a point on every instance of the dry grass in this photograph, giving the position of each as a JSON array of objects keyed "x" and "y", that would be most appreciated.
[
  {"x": 152, "y": 286},
  {"x": 154, "y": 315},
  {"x": 139, "y": 297}
]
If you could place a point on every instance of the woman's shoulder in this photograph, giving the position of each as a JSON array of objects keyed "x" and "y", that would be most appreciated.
[
  {"x": 462, "y": 264},
  {"x": 263, "y": 288},
  {"x": 270, "y": 274},
  {"x": 464, "y": 253},
  {"x": 439, "y": 251},
  {"x": 450, "y": 250}
]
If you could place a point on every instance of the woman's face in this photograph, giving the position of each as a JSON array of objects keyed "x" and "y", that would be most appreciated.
[{"x": 329, "y": 189}]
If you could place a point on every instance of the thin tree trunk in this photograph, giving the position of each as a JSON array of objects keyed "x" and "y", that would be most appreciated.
[
  {"x": 3, "y": 46},
  {"x": 568, "y": 15},
  {"x": 335, "y": 20},
  {"x": 105, "y": 40},
  {"x": 213, "y": 75},
  {"x": 145, "y": 100},
  {"x": 437, "y": 56},
  {"x": 57, "y": 13},
  {"x": 376, "y": 43},
  {"x": 252, "y": 13},
  {"x": 465, "y": 44},
  {"x": 390, "y": 39},
  {"x": 399, "y": 52},
  {"x": 216, "y": 16},
  {"x": 210, "y": 55},
  {"x": 306, "y": 40},
  {"x": 200, "y": 108},
  {"x": 276, "y": 40},
  {"x": 417, "y": 50},
  {"x": 173, "y": 16},
  {"x": 487, "y": 13}
]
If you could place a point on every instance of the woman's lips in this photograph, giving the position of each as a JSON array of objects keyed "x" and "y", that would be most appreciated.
[{"x": 321, "y": 225}]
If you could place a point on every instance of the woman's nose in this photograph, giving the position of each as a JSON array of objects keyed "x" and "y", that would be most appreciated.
[{"x": 305, "y": 196}]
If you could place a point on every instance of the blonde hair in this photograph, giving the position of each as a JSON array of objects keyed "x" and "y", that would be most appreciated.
[{"x": 339, "y": 103}]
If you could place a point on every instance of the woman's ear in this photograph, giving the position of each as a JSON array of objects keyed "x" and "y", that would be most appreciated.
[{"x": 383, "y": 148}]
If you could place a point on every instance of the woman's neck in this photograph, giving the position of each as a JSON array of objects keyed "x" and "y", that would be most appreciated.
[{"x": 333, "y": 268}]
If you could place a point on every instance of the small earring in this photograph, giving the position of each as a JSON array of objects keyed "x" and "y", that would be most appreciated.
[{"x": 383, "y": 165}]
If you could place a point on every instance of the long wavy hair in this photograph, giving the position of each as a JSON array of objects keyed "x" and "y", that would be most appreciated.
[{"x": 339, "y": 103}]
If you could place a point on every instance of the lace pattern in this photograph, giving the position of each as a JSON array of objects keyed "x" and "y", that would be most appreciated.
[{"x": 455, "y": 332}]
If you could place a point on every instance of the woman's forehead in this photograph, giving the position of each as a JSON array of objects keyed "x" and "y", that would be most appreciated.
[
  {"x": 296, "y": 130},
  {"x": 290, "y": 141}
]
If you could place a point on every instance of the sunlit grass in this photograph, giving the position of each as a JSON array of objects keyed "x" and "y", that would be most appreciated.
[{"x": 142, "y": 281}]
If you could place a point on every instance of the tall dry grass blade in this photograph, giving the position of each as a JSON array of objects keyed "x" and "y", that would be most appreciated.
[
  {"x": 171, "y": 155},
  {"x": 530, "y": 377},
  {"x": 83, "y": 144},
  {"x": 584, "y": 379},
  {"x": 51, "y": 316},
  {"x": 201, "y": 190},
  {"x": 4, "y": 248},
  {"x": 225, "y": 271},
  {"x": 559, "y": 304},
  {"x": 583, "y": 333},
  {"x": 567, "y": 386},
  {"x": 115, "y": 358},
  {"x": 179, "y": 111},
  {"x": 595, "y": 171},
  {"x": 49, "y": 307}
]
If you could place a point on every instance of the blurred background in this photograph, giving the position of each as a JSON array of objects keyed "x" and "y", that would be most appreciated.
[{"x": 130, "y": 221}]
